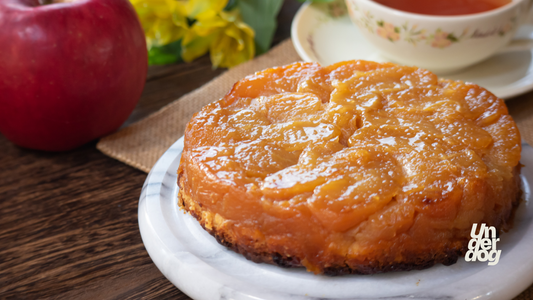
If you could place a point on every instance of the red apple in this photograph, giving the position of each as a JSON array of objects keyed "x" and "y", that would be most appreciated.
[{"x": 70, "y": 71}]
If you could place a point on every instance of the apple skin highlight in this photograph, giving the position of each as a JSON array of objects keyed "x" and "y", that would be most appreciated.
[{"x": 69, "y": 72}]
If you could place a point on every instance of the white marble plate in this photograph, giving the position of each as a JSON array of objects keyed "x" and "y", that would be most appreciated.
[
  {"x": 193, "y": 261},
  {"x": 318, "y": 37}
]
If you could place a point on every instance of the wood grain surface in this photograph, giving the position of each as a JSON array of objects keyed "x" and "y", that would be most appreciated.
[{"x": 68, "y": 221}]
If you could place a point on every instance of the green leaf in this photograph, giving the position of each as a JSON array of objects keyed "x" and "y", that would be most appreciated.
[
  {"x": 261, "y": 16},
  {"x": 452, "y": 37},
  {"x": 231, "y": 5},
  {"x": 167, "y": 54}
]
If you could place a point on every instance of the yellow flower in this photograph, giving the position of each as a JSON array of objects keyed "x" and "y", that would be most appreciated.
[
  {"x": 204, "y": 9},
  {"x": 163, "y": 21},
  {"x": 229, "y": 40}
]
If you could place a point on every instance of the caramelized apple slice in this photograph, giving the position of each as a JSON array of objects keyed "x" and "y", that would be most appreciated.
[{"x": 271, "y": 81}]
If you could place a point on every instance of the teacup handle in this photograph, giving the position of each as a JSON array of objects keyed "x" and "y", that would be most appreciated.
[
  {"x": 517, "y": 45},
  {"x": 525, "y": 41}
]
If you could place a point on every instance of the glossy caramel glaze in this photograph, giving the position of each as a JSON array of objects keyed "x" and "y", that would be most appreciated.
[{"x": 358, "y": 165}]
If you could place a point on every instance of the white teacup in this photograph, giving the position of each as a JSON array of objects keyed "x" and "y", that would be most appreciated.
[{"x": 442, "y": 44}]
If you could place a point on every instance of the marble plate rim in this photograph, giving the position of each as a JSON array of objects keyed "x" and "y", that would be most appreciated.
[{"x": 192, "y": 271}]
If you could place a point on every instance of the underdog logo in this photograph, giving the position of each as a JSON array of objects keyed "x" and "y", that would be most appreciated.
[{"x": 482, "y": 247}]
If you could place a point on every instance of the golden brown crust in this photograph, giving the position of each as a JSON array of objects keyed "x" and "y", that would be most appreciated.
[{"x": 214, "y": 225}]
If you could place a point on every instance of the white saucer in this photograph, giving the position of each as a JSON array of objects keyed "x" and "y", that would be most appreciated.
[
  {"x": 321, "y": 38},
  {"x": 203, "y": 269}
]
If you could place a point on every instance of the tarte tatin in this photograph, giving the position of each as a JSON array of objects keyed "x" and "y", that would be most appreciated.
[{"x": 354, "y": 168}]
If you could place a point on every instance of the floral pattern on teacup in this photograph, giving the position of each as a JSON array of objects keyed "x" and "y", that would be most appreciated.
[
  {"x": 412, "y": 34},
  {"x": 442, "y": 39},
  {"x": 438, "y": 39},
  {"x": 388, "y": 31},
  {"x": 507, "y": 27}
]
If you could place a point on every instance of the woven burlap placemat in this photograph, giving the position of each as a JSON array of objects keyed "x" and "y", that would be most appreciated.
[{"x": 141, "y": 144}]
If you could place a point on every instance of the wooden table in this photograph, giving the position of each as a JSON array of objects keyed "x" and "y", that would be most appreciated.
[{"x": 68, "y": 221}]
